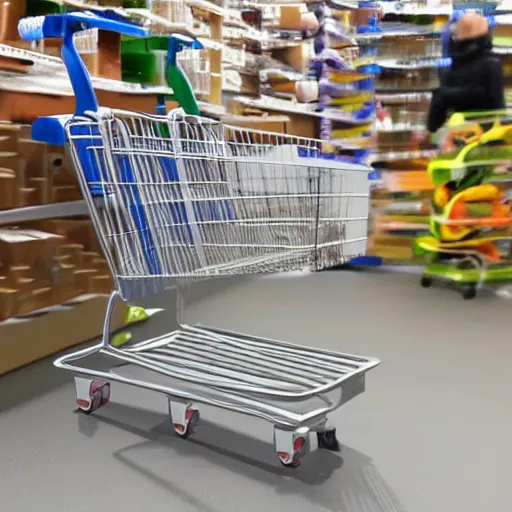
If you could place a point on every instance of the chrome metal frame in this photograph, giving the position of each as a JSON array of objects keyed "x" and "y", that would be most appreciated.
[
  {"x": 322, "y": 381},
  {"x": 238, "y": 399}
]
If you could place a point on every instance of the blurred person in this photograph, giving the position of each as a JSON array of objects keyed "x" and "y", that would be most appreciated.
[{"x": 474, "y": 80}]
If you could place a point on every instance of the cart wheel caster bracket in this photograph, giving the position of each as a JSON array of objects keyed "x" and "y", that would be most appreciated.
[
  {"x": 468, "y": 291},
  {"x": 91, "y": 394},
  {"x": 426, "y": 281},
  {"x": 185, "y": 419},
  {"x": 327, "y": 440},
  {"x": 291, "y": 446}
]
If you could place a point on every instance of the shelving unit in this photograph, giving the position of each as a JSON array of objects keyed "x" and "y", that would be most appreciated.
[
  {"x": 346, "y": 81},
  {"x": 408, "y": 55},
  {"x": 53, "y": 277},
  {"x": 503, "y": 48},
  {"x": 274, "y": 55}
]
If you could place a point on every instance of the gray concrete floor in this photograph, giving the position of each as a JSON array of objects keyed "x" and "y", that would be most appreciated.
[{"x": 431, "y": 433}]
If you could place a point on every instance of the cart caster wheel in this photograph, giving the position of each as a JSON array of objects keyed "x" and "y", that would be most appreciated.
[
  {"x": 98, "y": 395},
  {"x": 468, "y": 291},
  {"x": 426, "y": 282},
  {"x": 294, "y": 459},
  {"x": 327, "y": 440},
  {"x": 295, "y": 463},
  {"x": 191, "y": 423}
]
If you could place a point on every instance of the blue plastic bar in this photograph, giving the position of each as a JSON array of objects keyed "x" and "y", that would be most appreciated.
[{"x": 64, "y": 26}]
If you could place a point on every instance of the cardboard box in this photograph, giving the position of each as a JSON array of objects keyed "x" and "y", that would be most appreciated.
[
  {"x": 25, "y": 340},
  {"x": 27, "y": 197},
  {"x": 24, "y": 107},
  {"x": 297, "y": 56},
  {"x": 10, "y": 14},
  {"x": 14, "y": 65},
  {"x": 8, "y": 138},
  {"x": 109, "y": 55},
  {"x": 76, "y": 231},
  {"x": 8, "y": 189},
  {"x": 34, "y": 157},
  {"x": 291, "y": 17},
  {"x": 25, "y": 247},
  {"x": 303, "y": 125},
  {"x": 10, "y": 160}
]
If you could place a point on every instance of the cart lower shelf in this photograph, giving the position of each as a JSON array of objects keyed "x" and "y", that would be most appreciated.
[
  {"x": 293, "y": 387},
  {"x": 237, "y": 362}
]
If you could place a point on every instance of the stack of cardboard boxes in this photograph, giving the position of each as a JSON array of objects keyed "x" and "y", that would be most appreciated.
[
  {"x": 43, "y": 263},
  {"x": 48, "y": 262},
  {"x": 53, "y": 277}
]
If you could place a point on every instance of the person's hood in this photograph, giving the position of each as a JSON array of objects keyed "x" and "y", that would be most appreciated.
[{"x": 465, "y": 50}]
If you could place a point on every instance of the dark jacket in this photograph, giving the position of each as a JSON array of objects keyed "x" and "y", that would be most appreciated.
[{"x": 473, "y": 82}]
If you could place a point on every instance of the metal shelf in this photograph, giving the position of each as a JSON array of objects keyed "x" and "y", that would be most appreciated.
[
  {"x": 394, "y": 156},
  {"x": 286, "y": 106},
  {"x": 46, "y": 211},
  {"x": 414, "y": 9},
  {"x": 211, "y": 109},
  {"x": 49, "y": 75},
  {"x": 400, "y": 64},
  {"x": 401, "y": 97}
]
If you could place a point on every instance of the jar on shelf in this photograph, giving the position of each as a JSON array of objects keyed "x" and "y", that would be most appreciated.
[
  {"x": 196, "y": 66},
  {"x": 86, "y": 43}
]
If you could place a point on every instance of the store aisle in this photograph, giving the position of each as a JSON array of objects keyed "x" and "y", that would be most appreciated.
[{"x": 432, "y": 431}]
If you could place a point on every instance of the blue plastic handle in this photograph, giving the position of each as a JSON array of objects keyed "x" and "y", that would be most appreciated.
[
  {"x": 65, "y": 26},
  {"x": 57, "y": 25}
]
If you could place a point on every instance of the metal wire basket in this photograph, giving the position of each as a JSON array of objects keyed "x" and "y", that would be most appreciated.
[{"x": 185, "y": 196}]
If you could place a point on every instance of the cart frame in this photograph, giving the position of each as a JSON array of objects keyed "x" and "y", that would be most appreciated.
[{"x": 293, "y": 387}]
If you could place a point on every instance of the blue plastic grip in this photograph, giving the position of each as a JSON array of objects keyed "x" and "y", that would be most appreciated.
[
  {"x": 31, "y": 29},
  {"x": 57, "y": 25},
  {"x": 64, "y": 26}
]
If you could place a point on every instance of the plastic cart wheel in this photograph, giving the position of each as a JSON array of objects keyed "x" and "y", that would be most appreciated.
[
  {"x": 327, "y": 440},
  {"x": 294, "y": 463},
  {"x": 99, "y": 395},
  {"x": 191, "y": 423},
  {"x": 468, "y": 291},
  {"x": 426, "y": 281},
  {"x": 294, "y": 460}
]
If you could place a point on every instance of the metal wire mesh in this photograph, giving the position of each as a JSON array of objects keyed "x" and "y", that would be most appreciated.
[{"x": 185, "y": 196}]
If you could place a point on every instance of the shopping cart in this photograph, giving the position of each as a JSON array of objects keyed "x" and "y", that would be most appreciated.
[{"x": 181, "y": 197}]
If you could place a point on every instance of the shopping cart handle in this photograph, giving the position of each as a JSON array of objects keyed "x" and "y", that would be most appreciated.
[
  {"x": 59, "y": 25},
  {"x": 50, "y": 130}
]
